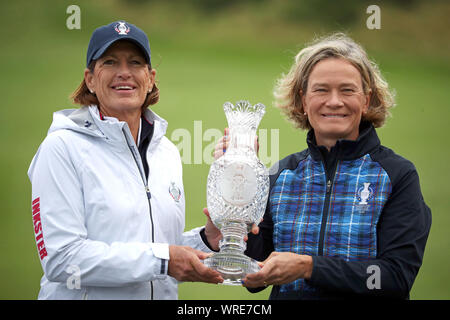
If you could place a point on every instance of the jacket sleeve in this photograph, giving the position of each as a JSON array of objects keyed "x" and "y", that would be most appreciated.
[
  {"x": 193, "y": 238},
  {"x": 260, "y": 246},
  {"x": 402, "y": 233},
  {"x": 59, "y": 225}
]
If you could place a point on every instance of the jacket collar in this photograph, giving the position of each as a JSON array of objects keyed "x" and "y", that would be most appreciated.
[
  {"x": 347, "y": 149},
  {"x": 111, "y": 127},
  {"x": 159, "y": 128}
]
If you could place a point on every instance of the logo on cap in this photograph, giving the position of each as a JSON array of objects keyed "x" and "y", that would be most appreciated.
[{"x": 122, "y": 28}]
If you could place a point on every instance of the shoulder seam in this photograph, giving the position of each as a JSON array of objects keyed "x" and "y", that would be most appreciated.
[{"x": 290, "y": 162}]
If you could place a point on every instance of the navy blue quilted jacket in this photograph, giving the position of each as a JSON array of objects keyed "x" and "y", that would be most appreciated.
[{"x": 357, "y": 210}]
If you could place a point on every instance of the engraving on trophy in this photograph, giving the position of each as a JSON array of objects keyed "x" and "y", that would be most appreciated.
[{"x": 238, "y": 184}]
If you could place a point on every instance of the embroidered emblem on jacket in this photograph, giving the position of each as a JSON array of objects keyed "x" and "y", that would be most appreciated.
[
  {"x": 174, "y": 192},
  {"x": 363, "y": 195}
]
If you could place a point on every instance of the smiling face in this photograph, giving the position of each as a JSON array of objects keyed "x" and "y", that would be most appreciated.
[
  {"x": 121, "y": 79},
  {"x": 334, "y": 101}
]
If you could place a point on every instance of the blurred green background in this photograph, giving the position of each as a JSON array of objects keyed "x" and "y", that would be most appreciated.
[{"x": 207, "y": 52}]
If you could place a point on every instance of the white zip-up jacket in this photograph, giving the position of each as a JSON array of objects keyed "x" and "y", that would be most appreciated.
[{"x": 100, "y": 231}]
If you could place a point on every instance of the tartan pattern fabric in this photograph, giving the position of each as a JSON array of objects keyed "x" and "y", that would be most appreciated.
[{"x": 359, "y": 191}]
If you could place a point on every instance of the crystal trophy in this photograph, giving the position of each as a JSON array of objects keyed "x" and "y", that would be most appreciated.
[{"x": 237, "y": 192}]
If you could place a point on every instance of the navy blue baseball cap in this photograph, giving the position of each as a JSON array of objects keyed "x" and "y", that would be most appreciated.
[{"x": 103, "y": 37}]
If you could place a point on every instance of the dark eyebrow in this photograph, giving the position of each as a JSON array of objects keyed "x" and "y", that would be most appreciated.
[
  {"x": 137, "y": 56},
  {"x": 107, "y": 56},
  {"x": 133, "y": 56}
]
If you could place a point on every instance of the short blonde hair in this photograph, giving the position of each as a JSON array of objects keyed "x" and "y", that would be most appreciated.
[{"x": 287, "y": 90}]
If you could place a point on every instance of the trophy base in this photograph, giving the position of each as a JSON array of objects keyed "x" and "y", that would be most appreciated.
[{"x": 233, "y": 266}]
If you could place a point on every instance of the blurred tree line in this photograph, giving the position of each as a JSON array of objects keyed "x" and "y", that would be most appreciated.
[{"x": 342, "y": 12}]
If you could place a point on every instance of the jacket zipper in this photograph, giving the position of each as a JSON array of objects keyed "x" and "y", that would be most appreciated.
[
  {"x": 326, "y": 207},
  {"x": 149, "y": 196},
  {"x": 136, "y": 157}
]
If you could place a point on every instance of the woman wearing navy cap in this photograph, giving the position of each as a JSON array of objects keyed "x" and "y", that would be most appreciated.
[{"x": 107, "y": 192}]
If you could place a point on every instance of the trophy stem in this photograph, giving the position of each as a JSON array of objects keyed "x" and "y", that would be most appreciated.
[
  {"x": 233, "y": 233},
  {"x": 231, "y": 261}
]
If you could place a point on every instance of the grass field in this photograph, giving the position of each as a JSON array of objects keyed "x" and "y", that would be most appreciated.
[{"x": 201, "y": 64}]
